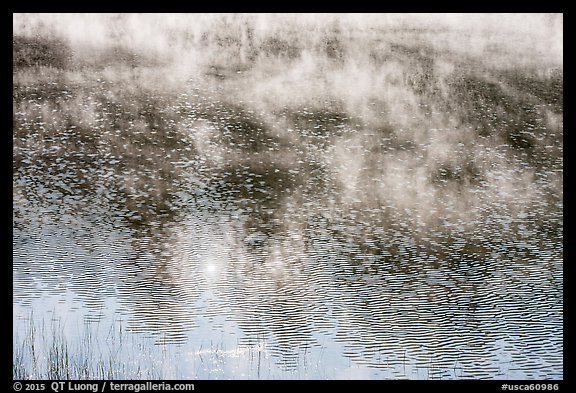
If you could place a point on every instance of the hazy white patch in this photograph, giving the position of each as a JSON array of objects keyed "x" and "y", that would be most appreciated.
[
  {"x": 355, "y": 372},
  {"x": 205, "y": 136}
]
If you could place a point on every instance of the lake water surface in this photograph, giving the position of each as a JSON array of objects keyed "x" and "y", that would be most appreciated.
[{"x": 206, "y": 229}]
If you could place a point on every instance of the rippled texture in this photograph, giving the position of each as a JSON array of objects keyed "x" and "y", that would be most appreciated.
[{"x": 344, "y": 203}]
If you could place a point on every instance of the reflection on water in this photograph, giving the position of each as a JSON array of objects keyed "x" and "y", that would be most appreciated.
[{"x": 311, "y": 239}]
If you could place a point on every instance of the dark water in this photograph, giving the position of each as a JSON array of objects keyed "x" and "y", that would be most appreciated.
[{"x": 186, "y": 233}]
